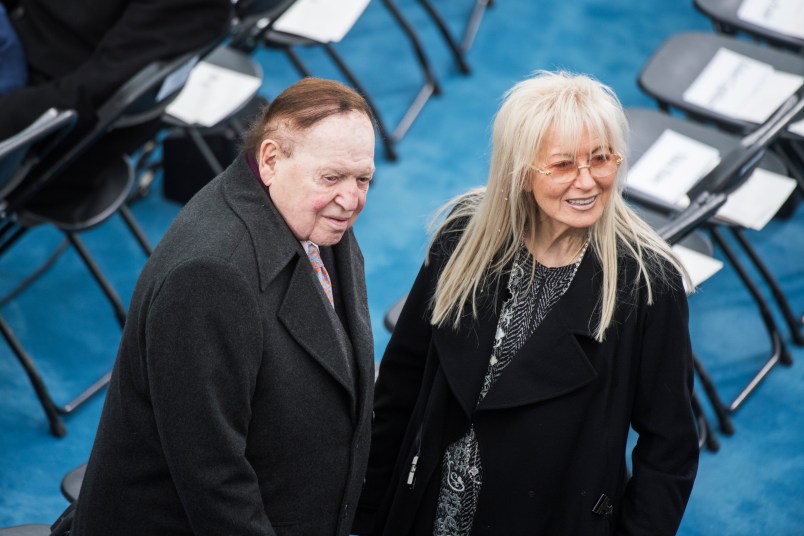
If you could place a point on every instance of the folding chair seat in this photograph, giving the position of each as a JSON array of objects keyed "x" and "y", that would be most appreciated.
[
  {"x": 773, "y": 26},
  {"x": 648, "y": 126},
  {"x": 279, "y": 24},
  {"x": 48, "y": 195},
  {"x": 71, "y": 483},
  {"x": 26, "y": 530},
  {"x": 459, "y": 49}
]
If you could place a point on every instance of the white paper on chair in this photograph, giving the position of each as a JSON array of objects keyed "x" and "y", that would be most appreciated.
[
  {"x": 783, "y": 16},
  {"x": 738, "y": 86},
  {"x": 211, "y": 94},
  {"x": 325, "y": 21},
  {"x": 756, "y": 201},
  {"x": 797, "y": 127},
  {"x": 671, "y": 166},
  {"x": 700, "y": 267}
]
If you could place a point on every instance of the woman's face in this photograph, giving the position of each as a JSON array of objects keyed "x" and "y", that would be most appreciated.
[{"x": 571, "y": 197}]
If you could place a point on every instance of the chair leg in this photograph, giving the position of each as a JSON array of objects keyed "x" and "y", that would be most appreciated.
[
  {"x": 294, "y": 58},
  {"x": 136, "y": 230},
  {"x": 705, "y": 436},
  {"x": 722, "y": 411},
  {"x": 52, "y": 410},
  {"x": 107, "y": 288},
  {"x": 206, "y": 152},
  {"x": 455, "y": 48},
  {"x": 779, "y": 351},
  {"x": 15, "y": 235},
  {"x": 388, "y": 142},
  {"x": 430, "y": 86},
  {"x": 429, "y": 77},
  {"x": 57, "y": 427},
  {"x": 793, "y": 323},
  {"x": 473, "y": 24}
]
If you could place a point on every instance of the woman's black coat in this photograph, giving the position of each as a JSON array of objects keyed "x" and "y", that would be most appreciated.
[{"x": 553, "y": 430}]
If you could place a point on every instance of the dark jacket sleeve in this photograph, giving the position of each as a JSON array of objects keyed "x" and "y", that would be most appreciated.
[
  {"x": 395, "y": 395},
  {"x": 204, "y": 351},
  {"x": 147, "y": 30},
  {"x": 665, "y": 458},
  {"x": 399, "y": 381}
]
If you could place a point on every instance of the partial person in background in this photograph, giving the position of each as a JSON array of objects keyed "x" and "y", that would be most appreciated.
[
  {"x": 240, "y": 401},
  {"x": 546, "y": 320},
  {"x": 78, "y": 53},
  {"x": 13, "y": 72}
]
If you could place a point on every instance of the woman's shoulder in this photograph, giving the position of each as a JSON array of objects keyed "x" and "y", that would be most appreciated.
[
  {"x": 459, "y": 213},
  {"x": 651, "y": 267}
]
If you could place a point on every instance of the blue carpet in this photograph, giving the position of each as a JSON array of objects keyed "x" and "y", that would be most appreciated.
[{"x": 753, "y": 485}]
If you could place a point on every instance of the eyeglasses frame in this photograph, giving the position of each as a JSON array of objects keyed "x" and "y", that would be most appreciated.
[{"x": 587, "y": 166}]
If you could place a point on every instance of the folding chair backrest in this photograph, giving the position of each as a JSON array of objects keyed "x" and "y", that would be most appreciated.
[
  {"x": 678, "y": 62},
  {"x": 143, "y": 98},
  {"x": 729, "y": 16},
  {"x": 22, "y": 151}
]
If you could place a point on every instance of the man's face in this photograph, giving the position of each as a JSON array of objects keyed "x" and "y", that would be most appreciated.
[{"x": 321, "y": 188}]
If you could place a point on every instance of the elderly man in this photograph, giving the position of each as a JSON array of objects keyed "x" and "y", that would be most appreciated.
[{"x": 240, "y": 401}]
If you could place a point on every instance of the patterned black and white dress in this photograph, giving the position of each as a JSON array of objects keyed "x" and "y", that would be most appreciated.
[{"x": 522, "y": 312}]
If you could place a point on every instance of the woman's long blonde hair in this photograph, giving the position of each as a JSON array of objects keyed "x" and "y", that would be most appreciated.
[{"x": 503, "y": 214}]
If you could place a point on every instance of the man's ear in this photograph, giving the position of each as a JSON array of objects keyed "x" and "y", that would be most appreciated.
[{"x": 268, "y": 156}]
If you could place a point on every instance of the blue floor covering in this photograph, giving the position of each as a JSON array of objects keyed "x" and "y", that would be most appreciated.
[{"x": 754, "y": 485}]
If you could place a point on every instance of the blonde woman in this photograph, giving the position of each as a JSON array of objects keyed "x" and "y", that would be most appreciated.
[{"x": 546, "y": 320}]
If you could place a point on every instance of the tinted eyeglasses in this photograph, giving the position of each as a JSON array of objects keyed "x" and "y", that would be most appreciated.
[{"x": 600, "y": 166}]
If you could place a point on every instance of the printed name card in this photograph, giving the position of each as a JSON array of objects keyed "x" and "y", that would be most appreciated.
[
  {"x": 754, "y": 203},
  {"x": 671, "y": 166},
  {"x": 783, "y": 16},
  {"x": 674, "y": 163},
  {"x": 325, "y": 21},
  {"x": 738, "y": 86},
  {"x": 211, "y": 94}
]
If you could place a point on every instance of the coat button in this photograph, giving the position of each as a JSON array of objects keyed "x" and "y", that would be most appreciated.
[{"x": 531, "y": 494}]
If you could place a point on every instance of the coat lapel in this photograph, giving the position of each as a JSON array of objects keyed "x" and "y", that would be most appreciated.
[
  {"x": 304, "y": 309},
  {"x": 311, "y": 321},
  {"x": 351, "y": 277},
  {"x": 552, "y": 363},
  {"x": 464, "y": 353}
]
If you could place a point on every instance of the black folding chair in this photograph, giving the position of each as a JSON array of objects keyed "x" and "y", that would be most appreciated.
[
  {"x": 707, "y": 196},
  {"x": 670, "y": 72},
  {"x": 726, "y": 19},
  {"x": 49, "y": 195},
  {"x": 17, "y": 156}
]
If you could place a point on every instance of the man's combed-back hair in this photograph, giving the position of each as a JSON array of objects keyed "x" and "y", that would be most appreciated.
[
  {"x": 504, "y": 213},
  {"x": 298, "y": 108}
]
